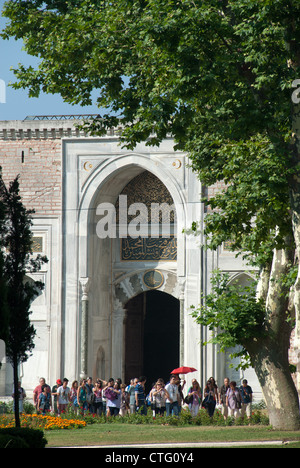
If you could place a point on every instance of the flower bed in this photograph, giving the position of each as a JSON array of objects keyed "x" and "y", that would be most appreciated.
[
  {"x": 70, "y": 420},
  {"x": 47, "y": 422}
]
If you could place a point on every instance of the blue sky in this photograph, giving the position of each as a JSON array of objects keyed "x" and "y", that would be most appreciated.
[{"x": 17, "y": 104}]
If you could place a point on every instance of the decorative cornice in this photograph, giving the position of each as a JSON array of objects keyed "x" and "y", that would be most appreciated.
[
  {"x": 38, "y": 130},
  {"x": 14, "y": 130}
]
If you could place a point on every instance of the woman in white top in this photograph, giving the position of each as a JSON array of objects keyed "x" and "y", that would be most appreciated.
[{"x": 159, "y": 396}]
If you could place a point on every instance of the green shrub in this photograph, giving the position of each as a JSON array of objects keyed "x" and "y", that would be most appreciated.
[
  {"x": 28, "y": 407},
  {"x": 259, "y": 417},
  {"x": 5, "y": 408},
  {"x": 33, "y": 438},
  {"x": 8, "y": 407},
  {"x": 9, "y": 441}
]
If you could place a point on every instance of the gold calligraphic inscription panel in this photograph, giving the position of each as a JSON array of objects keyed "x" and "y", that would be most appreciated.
[{"x": 149, "y": 249}]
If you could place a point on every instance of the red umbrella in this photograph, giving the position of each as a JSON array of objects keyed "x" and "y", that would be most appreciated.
[{"x": 183, "y": 370}]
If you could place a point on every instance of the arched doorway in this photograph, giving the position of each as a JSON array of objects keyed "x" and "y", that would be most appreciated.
[
  {"x": 95, "y": 172},
  {"x": 151, "y": 336}
]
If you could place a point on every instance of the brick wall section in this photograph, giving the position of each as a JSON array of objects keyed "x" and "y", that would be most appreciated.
[
  {"x": 40, "y": 172},
  {"x": 38, "y": 162}
]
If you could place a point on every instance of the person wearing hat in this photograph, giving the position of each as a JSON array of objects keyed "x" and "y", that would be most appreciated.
[{"x": 54, "y": 393}]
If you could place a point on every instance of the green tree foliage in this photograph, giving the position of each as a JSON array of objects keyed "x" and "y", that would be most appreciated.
[
  {"x": 215, "y": 74},
  {"x": 233, "y": 314},
  {"x": 4, "y": 317},
  {"x": 18, "y": 262}
]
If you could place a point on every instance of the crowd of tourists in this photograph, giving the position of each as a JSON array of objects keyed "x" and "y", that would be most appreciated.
[{"x": 114, "y": 398}]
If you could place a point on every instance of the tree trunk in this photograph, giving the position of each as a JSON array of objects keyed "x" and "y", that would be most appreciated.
[
  {"x": 272, "y": 370},
  {"x": 16, "y": 393},
  {"x": 270, "y": 354},
  {"x": 297, "y": 302},
  {"x": 295, "y": 204}
]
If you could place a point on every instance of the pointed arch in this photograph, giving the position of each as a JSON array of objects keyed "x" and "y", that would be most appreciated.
[
  {"x": 108, "y": 180},
  {"x": 243, "y": 278}
]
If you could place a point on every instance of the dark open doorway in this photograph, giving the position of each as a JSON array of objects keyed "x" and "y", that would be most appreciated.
[{"x": 152, "y": 336}]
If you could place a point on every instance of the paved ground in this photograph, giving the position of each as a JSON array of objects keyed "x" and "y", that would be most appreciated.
[{"x": 191, "y": 445}]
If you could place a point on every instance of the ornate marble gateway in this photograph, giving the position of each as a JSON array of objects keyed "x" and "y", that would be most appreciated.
[{"x": 110, "y": 302}]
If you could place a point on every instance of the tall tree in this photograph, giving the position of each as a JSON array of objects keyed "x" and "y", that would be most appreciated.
[
  {"x": 16, "y": 239},
  {"x": 4, "y": 317},
  {"x": 216, "y": 75}
]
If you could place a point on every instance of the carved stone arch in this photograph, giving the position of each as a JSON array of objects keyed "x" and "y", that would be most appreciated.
[
  {"x": 109, "y": 178},
  {"x": 148, "y": 189},
  {"x": 244, "y": 278},
  {"x": 132, "y": 284}
]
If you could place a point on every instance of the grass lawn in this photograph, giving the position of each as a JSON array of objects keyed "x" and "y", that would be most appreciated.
[{"x": 114, "y": 434}]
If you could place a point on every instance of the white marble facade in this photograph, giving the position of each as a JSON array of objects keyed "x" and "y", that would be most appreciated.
[{"x": 80, "y": 316}]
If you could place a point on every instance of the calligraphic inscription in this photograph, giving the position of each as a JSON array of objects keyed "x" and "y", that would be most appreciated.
[
  {"x": 153, "y": 279},
  {"x": 37, "y": 244},
  {"x": 149, "y": 248}
]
